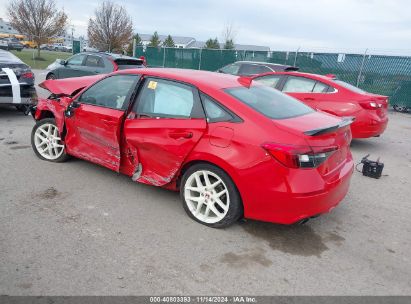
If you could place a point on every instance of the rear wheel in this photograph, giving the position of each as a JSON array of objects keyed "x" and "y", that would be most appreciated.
[
  {"x": 401, "y": 109},
  {"x": 46, "y": 141},
  {"x": 210, "y": 197},
  {"x": 50, "y": 76}
]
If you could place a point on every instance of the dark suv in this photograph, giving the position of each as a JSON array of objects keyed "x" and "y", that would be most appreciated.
[
  {"x": 92, "y": 63},
  {"x": 251, "y": 68},
  {"x": 16, "y": 82}
]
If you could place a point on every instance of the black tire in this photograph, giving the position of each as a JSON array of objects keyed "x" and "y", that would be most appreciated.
[
  {"x": 63, "y": 157},
  {"x": 235, "y": 210},
  {"x": 50, "y": 76}
]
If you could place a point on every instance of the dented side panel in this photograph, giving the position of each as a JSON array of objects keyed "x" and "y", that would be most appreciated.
[
  {"x": 161, "y": 145},
  {"x": 56, "y": 107}
]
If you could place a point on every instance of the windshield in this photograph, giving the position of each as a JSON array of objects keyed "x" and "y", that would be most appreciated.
[
  {"x": 269, "y": 101},
  {"x": 349, "y": 86}
]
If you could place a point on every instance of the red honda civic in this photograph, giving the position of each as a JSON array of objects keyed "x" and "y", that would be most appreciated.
[
  {"x": 233, "y": 148},
  {"x": 328, "y": 94}
]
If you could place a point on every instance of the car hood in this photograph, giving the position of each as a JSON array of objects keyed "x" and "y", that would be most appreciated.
[{"x": 69, "y": 86}]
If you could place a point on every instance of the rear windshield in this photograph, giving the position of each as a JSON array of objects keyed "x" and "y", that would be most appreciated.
[
  {"x": 269, "y": 101},
  {"x": 349, "y": 86},
  {"x": 125, "y": 64}
]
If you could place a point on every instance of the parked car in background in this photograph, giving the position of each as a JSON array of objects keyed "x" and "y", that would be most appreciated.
[
  {"x": 328, "y": 94},
  {"x": 90, "y": 49},
  {"x": 233, "y": 149},
  {"x": 4, "y": 45},
  {"x": 91, "y": 63},
  {"x": 250, "y": 68},
  {"x": 14, "y": 44},
  {"x": 16, "y": 82}
]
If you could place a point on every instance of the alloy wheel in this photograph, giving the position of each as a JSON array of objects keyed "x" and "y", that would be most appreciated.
[
  {"x": 47, "y": 141},
  {"x": 206, "y": 196}
]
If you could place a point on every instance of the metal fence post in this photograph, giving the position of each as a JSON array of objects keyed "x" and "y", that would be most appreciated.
[
  {"x": 164, "y": 57},
  {"x": 361, "y": 67},
  {"x": 199, "y": 62},
  {"x": 134, "y": 47},
  {"x": 295, "y": 58}
]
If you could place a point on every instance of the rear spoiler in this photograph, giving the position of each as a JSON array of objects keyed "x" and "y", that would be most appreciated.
[{"x": 344, "y": 122}]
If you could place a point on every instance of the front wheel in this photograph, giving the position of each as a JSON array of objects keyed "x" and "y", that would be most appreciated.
[
  {"x": 46, "y": 141},
  {"x": 210, "y": 197}
]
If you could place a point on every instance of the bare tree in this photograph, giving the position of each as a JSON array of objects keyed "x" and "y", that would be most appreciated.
[
  {"x": 111, "y": 29},
  {"x": 228, "y": 34},
  {"x": 39, "y": 19}
]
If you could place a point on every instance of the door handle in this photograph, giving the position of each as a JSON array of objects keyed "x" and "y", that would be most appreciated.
[
  {"x": 308, "y": 98},
  {"x": 177, "y": 135}
]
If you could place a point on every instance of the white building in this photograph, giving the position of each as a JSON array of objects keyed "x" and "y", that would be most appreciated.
[{"x": 6, "y": 28}]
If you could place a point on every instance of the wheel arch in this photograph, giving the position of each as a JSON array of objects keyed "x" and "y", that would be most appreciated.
[{"x": 210, "y": 160}]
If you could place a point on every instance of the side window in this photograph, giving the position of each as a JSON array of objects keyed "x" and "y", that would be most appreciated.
[
  {"x": 253, "y": 69},
  {"x": 214, "y": 112},
  {"x": 298, "y": 85},
  {"x": 76, "y": 60},
  {"x": 320, "y": 87},
  {"x": 111, "y": 92},
  {"x": 94, "y": 61},
  {"x": 231, "y": 69},
  {"x": 269, "y": 80},
  {"x": 165, "y": 98}
]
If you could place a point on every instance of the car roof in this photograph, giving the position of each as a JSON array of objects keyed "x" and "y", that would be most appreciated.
[
  {"x": 294, "y": 73},
  {"x": 111, "y": 55},
  {"x": 7, "y": 57},
  {"x": 270, "y": 64},
  {"x": 200, "y": 79}
]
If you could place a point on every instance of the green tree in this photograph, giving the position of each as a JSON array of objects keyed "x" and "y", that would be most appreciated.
[
  {"x": 169, "y": 42},
  {"x": 155, "y": 40},
  {"x": 229, "y": 44},
  {"x": 138, "y": 40},
  {"x": 212, "y": 44}
]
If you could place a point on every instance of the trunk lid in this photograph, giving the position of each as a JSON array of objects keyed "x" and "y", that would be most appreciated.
[{"x": 322, "y": 131}]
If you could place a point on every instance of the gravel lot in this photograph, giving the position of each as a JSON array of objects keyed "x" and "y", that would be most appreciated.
[{"x": 79, "y": 229}]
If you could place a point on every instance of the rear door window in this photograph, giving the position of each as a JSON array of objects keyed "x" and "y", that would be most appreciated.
[
  {"x": 168, "y": 99},
  {"x": 269, "y": 80},
  {"x": 94, "y": 61},
  {"x": 76, "y": 59},
  {"x": 295, "y": 84},
  {"x": 320, "y": 87}
]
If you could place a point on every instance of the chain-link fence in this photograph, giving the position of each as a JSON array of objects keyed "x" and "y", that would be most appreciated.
[{"x": 379, "y": 74}]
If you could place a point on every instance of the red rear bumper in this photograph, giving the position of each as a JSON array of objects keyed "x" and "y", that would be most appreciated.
[
  {"x": 317, "y": 196},
  {"x": 368, "y": 125}
]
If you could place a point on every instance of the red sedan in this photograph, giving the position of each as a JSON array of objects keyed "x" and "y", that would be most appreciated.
[
  {"x": 328, "y": 94},
  {"x": 233, "y": 149}
]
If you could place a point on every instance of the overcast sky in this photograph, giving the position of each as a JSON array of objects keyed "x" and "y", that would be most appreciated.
[{"x": 279, "y": 24}]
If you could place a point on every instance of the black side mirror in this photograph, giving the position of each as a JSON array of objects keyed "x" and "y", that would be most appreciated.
[
  {"x": 69, "y": 112},
  {"x": 75, "y": 105}
]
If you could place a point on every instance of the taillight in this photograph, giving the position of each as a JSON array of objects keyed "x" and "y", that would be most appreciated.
[
  {"x": 27, "y": 75},
  {"x": 299, "y": 156},
  {"x": 371, "y": 105}
]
